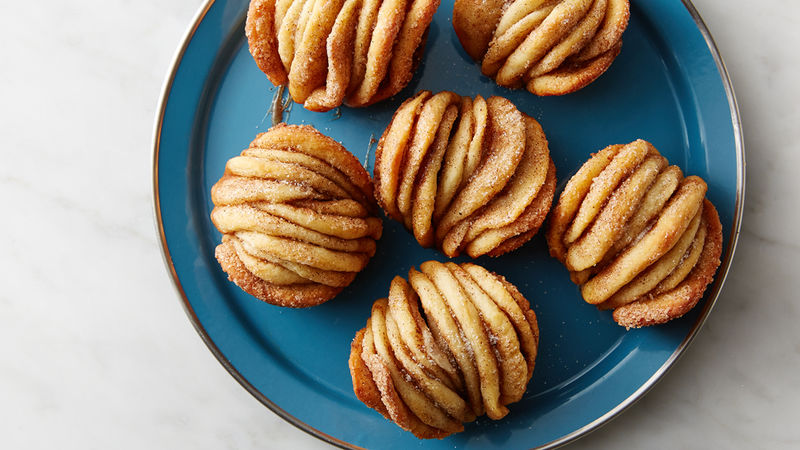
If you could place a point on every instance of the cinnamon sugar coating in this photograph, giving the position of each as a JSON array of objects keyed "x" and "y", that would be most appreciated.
[
  {"x": 465, "y": 175},
  {"x": 331, "y": 52},
  {"x": 637, "y": 236},
  {"x": 471, "y": 353},
  {"x": 297, "y": 217},
  {"x": 548, "y": 47}
]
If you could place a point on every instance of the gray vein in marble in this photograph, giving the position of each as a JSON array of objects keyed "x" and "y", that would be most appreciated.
[{"x": 99, "y": 353}]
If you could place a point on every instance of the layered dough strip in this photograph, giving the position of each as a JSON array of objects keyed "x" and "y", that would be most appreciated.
[
  {"x": 297, "y": 217},
  {"x": 472, "y": 352},
  {"x": 550, "y": 47},
  {"x": 330, "y": 52},
  {"x": 465, "y": 175},
  {"x": 636, "y": 235}
]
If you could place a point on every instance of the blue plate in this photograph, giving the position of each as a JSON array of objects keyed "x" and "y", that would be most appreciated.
[{"x": 668, "y": 86}]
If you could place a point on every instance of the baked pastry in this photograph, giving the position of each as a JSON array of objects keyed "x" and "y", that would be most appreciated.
[
  {"x": 637, "y": 236},
  {"x": 465, "y": 175},
  {"x": 296, "y": 215},
  {"x": 354, "y": 51},
  {"x": 471, "y": 353},
  {"x": 550, "y": 47}
]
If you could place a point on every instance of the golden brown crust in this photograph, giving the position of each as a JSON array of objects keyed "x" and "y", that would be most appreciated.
[
  {"x": 682, "y": 298},
  {"x": 294, "y": 296},
  {"x": 473, "y": 352},
  {"x": 464, "y": 175},
  {"x": 406, "y": 52},
  {"x": 332, "y": 52},
  {"x": 297, "y": 217},
  {"x": 574, "y": 76},
  {"x": 475, "y": 29},
  {"x": 317, "y": 145},
  {"x": 531, "y": 219},
  {"x": 261, "y": 36},
  {"x": 530, "y": 316},
  {"x": 363, "y": 384},
  {"x": 637, "y": 236},
  {"x": 549, "y": 47}
]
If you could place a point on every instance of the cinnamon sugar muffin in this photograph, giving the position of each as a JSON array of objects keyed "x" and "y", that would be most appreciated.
[
  {"x": 637, "y": 236},
  {"x": 297, "y": 217},
  {"x": 356, "y": 52},
  {"x": 549, "y": 47},
  {"x": 465, "y": 175},
  {"x": 471, "y": 353}
]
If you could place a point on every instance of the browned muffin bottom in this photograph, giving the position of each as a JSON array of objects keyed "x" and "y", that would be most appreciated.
[
  {"x": 637, "y": 236},
  {"x": 465, "y": 175},
  {"x": 470, "y": 350},
  {"x": 297, "y": 217}
]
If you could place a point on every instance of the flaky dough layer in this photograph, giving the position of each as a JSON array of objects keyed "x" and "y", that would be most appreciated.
[
  {"x": 297, "y": 217},
  {"x": 331, "y": 52},
  {"x": 469, "y": 351},
  {"x": 637, "y": 236},
  {"x": 465, "y": 175},
  {"x": 548, "y": 47}
]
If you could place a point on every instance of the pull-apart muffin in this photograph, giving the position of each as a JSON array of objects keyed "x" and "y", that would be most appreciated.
[
  {"x": 297, "y": 217},
  {"x": 465, "y": 175},
  {"x": 636, "y": 235},
  {"x": 470, "y": 350}
]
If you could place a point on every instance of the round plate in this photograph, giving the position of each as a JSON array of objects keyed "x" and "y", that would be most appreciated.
[{"x": 668, "y": 86}]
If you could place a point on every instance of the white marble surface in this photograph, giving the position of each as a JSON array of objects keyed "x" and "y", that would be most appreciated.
[{"x": 97, "y": 353}]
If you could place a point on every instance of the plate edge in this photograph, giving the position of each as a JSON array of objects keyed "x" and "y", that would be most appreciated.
[
  {"x": 571, "y": 437},
  {"x": 736, "y": 122},
  {"x": 166, "y": 256}
]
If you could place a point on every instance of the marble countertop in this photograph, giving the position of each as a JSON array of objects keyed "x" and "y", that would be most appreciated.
[{"x": 98, "y": 353}]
